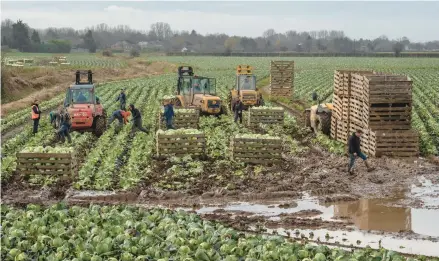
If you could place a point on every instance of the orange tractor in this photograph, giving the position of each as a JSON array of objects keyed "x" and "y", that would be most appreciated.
[{"x": 86, "y": 112}]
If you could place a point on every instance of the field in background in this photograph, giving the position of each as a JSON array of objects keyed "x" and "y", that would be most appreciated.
[{"x": 76, "y": 60}]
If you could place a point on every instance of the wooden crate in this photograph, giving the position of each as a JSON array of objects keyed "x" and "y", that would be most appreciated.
[
  {"x": 343, "y": 81},
  {"x": 342, "y": 131},
  {"x": 403, "y": 143},
  {"x": 46, "y": 163},
  {"x": 281, "y": 92},
  {"x": 388, "y": 118},
  {"x": 356, "y": 111},
  {"x": 387, "y": 89},
  {"x": 256, "y": 150},
  {"x": 186, "y": 120},
  {"x": 180, "y": 144},
  {"x": 334, "y": 122},
  {"x": 281, "y": 76},
  {"x": 265, "y": 116}
]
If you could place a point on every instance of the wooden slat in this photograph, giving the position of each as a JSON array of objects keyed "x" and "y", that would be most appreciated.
[{"x": 44, "y": 155}]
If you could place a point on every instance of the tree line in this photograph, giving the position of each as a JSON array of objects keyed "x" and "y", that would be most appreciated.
[{"x": 161, "y": 37}]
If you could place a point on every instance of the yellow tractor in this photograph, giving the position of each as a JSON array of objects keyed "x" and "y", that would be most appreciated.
[
  {"x": 318, "y": 117},
  {"x": 197, "y": 92},
  {"x": 245, "y": 88}
]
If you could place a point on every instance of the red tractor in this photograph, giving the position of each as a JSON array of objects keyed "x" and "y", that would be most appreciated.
[{"x": 86, "y": 112}]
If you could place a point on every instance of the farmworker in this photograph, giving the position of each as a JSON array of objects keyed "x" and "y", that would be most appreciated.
[
  {"x": 246, "y": 85},
  {"x": 169, "y": 114},
  {"x": 123, "y": 99},
  {"x": 81, "y": 98},
  {"x": 66, "y": 123},
  {"x": 237, "y": 108},
  {"x": 36, "y": 113},
  {"x": 137, "y": 119},
  {"x": 261, "y": 100},
  {"x": 355, "y": 151},
  {"x": 121, "y": 116},
  {"x": 55, "y": 117}
]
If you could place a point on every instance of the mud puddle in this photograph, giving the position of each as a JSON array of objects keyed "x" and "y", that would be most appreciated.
[
  {"x": 359, "y": 223},
  {"x": 360, "y": 239}
]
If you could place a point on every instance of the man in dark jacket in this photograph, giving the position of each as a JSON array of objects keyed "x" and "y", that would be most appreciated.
[
  {"x": 355, "y": 151},
  {"x": 36, "y": 114},
  {"x": 169, "y": 115},
  {"x": 237, "y": 109},
  {"x": 65, "y": 122},
  {"x": 123, "y": 99},
  {"x": 136, "y": 119}
]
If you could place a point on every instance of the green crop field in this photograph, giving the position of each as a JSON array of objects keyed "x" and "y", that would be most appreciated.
[
  {"x": 99, "y": 170},
  {"x": 76, "y": 60},
  {"x": 119, "y": 161}
]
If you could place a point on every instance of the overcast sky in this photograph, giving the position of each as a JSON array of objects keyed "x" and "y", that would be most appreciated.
[{"x": 419, "y": 21}]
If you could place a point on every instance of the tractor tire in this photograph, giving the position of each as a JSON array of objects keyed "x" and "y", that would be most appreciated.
[
  {"x": 325, "y": 123},
  {"x": 308, "y": 118},
  {"x": 100, "y": 126}
]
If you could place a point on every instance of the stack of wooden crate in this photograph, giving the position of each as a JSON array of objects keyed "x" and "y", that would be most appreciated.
[
  {"x": 282, "y": 78},
  {"x": 340, "y": 120},
  {"x": 380, "y": 105}
]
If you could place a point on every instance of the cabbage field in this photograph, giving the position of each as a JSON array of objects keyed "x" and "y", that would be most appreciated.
[
  {"x": 120, "y": 161},
  {"x": 122, "y": 233},
  {"x": 116, "y": 155}
]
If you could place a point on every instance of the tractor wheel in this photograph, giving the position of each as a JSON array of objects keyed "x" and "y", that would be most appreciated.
[
  {"x": 325, "y": 123},
  {"x": 99, "y": 126},
  {"x": 308, "y": 118}
]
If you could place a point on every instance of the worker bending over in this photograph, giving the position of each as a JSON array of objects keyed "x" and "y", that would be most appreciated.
[
  {"x": 121, "y": 116},
  {"x": 137, "y": 120}
]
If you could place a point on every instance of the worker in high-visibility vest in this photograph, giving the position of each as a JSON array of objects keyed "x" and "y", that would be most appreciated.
[{"x": 35, "y": 112}]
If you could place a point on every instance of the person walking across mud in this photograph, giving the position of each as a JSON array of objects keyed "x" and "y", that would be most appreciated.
[
  {"x": 122, "y": 98},
  {"x": 35, "y": 113},
  {"x": 355, "y": 151},
  {"x": 237, "y": 109}
]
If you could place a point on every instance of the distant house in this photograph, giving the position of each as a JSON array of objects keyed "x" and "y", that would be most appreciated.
[
  {"x": 184, "y": 50},
  {"x": 124, "y": 46},
  {"x": 143, "y": 45}
]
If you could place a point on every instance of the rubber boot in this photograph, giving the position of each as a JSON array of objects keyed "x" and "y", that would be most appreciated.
[
  {"x": 369, "y": 168},
  {"x": 351, "y": 171}
]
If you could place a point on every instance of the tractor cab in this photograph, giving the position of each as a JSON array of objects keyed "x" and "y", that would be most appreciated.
[
  {"x": 197, "y": 91},
  {"x": 81, "y": 92},
  {"x": 84, "y": 108},
  {"x": 245, "y": 87}
]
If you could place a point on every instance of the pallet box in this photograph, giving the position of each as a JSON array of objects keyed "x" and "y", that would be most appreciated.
[
  {"x": 256, "y": 149},
  {"x": 180, "y": 142},
  {"x": 30, "y": 163}
]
